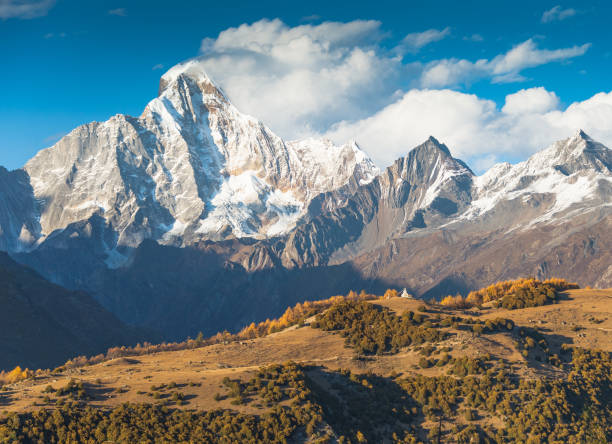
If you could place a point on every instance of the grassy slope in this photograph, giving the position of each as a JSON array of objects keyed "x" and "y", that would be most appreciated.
[{"x": 209, "y": 365}]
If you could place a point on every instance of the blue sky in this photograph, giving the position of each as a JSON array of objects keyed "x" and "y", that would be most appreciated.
[{"x": 66, "y": 63}]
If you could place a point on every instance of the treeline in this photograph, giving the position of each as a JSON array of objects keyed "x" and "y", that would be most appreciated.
[
  {"x": 299, "y": 313},
  {"x": 520, "y": 293},
  {"x": 312, "y": 404},
  {"x": 147, "y": 423},
  {"x": 372, "y": 329},
  {"x": 508, "y": 294},
  {"x": 15, "y": 375},
  {"x": 292, "y": 316}
]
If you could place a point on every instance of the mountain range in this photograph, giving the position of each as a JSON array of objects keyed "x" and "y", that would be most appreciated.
[{"x": 195, "y": 217}]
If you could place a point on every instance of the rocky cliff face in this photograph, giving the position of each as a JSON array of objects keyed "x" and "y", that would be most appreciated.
[
  {"x": 19, "y": 225},
  {"x": 549, "y": 216},
  {"x": 429, "y": 190},
  {"x": 191, "y": 167},
  {"x": 422, "y": 190}
]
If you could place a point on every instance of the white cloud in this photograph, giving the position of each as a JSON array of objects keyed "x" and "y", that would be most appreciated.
[
  {"x": 54, "y": 137},
  {"x": 474, "y": 38},
  {"x": 157, "y": 66},
  {"x": 24, "y": 9},
  {"x": 557, "y": 13},
  {"x": 301, "y": 79},
  {"x": 474, "y": 128},
  {"x": 450, "y": 72},
  {"x": 527, "y": 55},
  {"x": 51, "y": 35},
  {"x": 529, "y": 101},
  {"x": 502, "y": 68},
  {"x": 415, "y": 41},
  {"x": 121, "y": 12},
  {"x": 337, "y": 80}
]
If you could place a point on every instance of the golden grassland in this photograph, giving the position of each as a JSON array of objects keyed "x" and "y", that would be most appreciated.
[{"x": 197, "y": 375}]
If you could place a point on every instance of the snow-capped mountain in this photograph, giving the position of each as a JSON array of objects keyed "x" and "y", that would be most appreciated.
[
  {"x": 422, "y": 189},
  {"x": 169, "y": 217},
  {"x": 428, "y": 193},
  {"x": 191, "y": 167},
  {"x": 571, "y": 174},
  {"x": 18, "y": 211}
]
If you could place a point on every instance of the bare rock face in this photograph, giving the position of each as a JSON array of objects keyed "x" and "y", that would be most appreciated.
[
  {"x": 19, "y": 226},
  {"x": 549, "y": 216},
  {"x": 426, "y": 188},
  {"x": 191, "y": 167}
]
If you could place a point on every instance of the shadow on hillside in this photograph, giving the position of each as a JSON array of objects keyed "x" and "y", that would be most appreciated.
[
  {"x": 97, "y": 391},
  {"x": 367, "y": 403},
  {"x": 182, "y": 291},
  {"x": 547, "y": 354},
  {"x": 5, "y": 397},
  {"x": 450, "y": 285},
  {"x": 564, "y": 296}
]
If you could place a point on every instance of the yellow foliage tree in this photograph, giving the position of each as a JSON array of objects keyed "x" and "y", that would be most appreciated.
[
  {"x": 15, "y": 375},
  {"x": 390, "y": 293}
]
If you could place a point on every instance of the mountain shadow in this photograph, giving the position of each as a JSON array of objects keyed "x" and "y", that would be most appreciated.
[
  {"x": 44, "y": 324},
  {"x": 214, "y": 286}
]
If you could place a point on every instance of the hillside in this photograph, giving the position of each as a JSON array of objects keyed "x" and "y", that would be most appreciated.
[
  {"x": 44, "y": 324},
  {"x": 442, "y": 374}
]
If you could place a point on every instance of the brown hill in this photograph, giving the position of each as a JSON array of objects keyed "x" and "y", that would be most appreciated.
[{"x": 199, "y": 376}]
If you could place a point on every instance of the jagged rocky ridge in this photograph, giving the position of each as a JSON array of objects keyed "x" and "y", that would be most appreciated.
[
  {"x": 191, "y": 167},
  {"x": 194, "y": 216},
  {"x": 429, "y": 191}
]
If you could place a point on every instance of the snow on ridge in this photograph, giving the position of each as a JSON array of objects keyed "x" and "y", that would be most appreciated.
[
  {"x": 247, "y": 204},
  {"x": 541, "y": 174},
  {"x": 193, "y": 69}
]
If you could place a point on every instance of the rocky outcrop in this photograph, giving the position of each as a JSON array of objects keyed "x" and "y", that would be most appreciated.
[
  {"x": 19, "y": 212},
  {"x": 423, "y": 190}
]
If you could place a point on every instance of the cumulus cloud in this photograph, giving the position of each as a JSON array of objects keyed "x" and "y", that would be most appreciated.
[
  {"x": 557, "y": 13},
  {"x": 532, "y": 100},
  {"x": 413, "y": 42},
  {"x": 337, "y": 80},
  {"x": 474, "y": 128},
  {"x": 502, "y": 68},
  {"x": 301, "y": 79},
  {"x": 24, "y": 9}
]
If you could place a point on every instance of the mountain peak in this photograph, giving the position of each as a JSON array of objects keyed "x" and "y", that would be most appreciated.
[
  {"x": 432, "y": 139},
  {"x": 576, "y": 154},
  {"x": 433, "y": 144},
  {"x": 580, "y": 134},
  {"x": 191, "y": 70}
]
